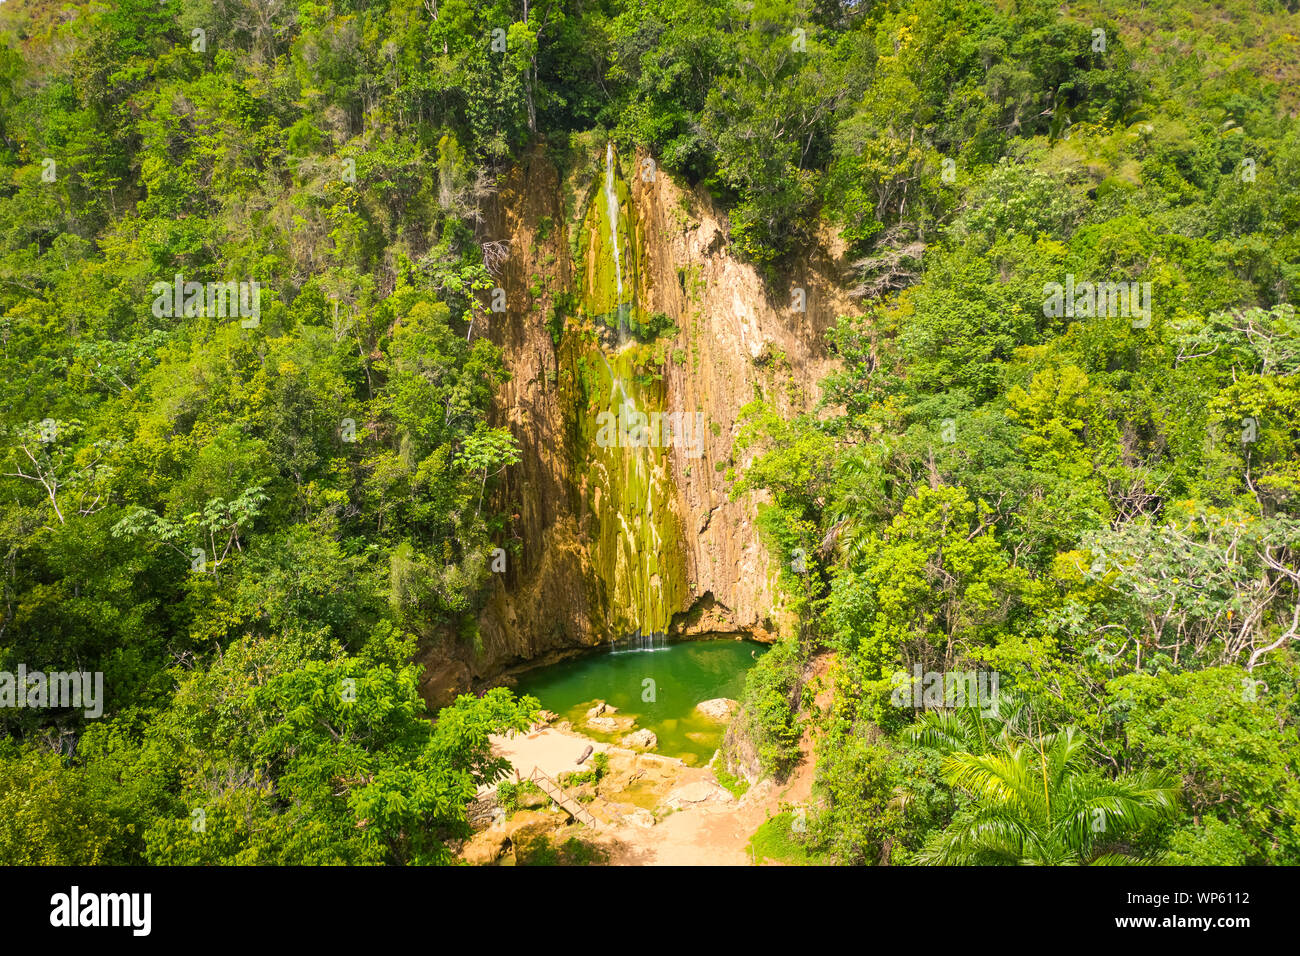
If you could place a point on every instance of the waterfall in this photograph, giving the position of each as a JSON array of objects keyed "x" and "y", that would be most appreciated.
[
  {"x": 634, "y": 467},
  {"x": 639, "y": 643},
  {"x": 620, "y": 402},
  {"x": 611, "y": 213},
  {"x": 635, "y": 535}
]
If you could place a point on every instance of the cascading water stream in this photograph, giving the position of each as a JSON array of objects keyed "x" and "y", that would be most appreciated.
[
  {"x": 611, "y": 213},
  {"x": 639, "y": 643},
  {"x": 634, "y": 533},
  {"x": 633, "y": 528}
]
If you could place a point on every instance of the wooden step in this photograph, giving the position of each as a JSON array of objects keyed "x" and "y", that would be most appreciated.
[{"x": 566, "y": 802}]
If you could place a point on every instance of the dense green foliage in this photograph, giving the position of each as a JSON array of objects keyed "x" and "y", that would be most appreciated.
[
  {"x": 769, "y": 708},
  {"x": 248, "y": 526},
  {"x": 251, "y": 527},
  {"x": 1100, "y": 508}
]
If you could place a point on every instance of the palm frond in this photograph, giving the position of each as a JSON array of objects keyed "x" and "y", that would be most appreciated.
[{"x": 1039, "y": 801}]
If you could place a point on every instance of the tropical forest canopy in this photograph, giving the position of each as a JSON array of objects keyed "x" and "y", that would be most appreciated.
[{"x": 232, "y": 520}]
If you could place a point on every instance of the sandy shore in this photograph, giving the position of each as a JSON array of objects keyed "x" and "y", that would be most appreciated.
[
  {"x": 696, "y": 821},
  {"x": 557, "y": 751}
]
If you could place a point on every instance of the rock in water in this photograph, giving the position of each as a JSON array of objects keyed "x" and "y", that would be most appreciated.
[
  {"x": 604, "y": 724},
  {"x": 719, "y": 708},
  {"x": 642, "y": 738},
  {"x": 601, "y": 708}
]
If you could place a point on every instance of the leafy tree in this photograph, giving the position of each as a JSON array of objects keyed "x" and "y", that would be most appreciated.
[
  {"x": 1229, "y": 737},
  {"x": 49, "y": 816}
]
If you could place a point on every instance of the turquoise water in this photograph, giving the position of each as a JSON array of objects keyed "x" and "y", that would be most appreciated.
[{"x": 660, "y": 688}]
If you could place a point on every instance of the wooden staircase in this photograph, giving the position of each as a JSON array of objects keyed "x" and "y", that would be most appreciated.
[{"x": 565, "y": 802}]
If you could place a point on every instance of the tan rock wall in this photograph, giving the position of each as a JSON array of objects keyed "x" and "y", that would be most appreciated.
[{"x": 737, "y": 339}]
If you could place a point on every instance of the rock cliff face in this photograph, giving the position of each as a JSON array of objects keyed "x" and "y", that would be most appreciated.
[{"x": 621, "y": 522}]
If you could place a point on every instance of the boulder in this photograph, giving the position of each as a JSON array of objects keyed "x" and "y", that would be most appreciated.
[
  {"x": 527, "y": 824},
  {"x": 629, "y": 814},
  {"x": 606, "y": 725},
  {"x": 482, "y": 810},
  {"x": 758, "y": 792},
  {"x": 643, "y": 738},
  {"x": 696, "y": 794},
  {"x": 547, "y": 716},
  {"x": 640, "y": 817},
  {"x": 719, "y": 708},
  {"x": 485, "y": 848},
  {"x": 601, "y": 708}
]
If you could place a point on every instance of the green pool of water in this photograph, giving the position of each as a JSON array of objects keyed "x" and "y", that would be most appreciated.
[{"x": 682, "y": 675}]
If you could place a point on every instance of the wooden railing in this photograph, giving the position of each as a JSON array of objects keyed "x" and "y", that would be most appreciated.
[{"x": 568, "y": 804}]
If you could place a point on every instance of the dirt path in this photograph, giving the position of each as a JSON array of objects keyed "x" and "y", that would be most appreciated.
[
  {"x": 696, "y": 836},
  {"x": 713, "y": 831}
]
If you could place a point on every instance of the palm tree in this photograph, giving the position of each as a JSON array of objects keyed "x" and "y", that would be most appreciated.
[
  {"x": 857, "y": 502},
  {"x": 970, "y": 728},
  {"x": 1041, "y": 803}
]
